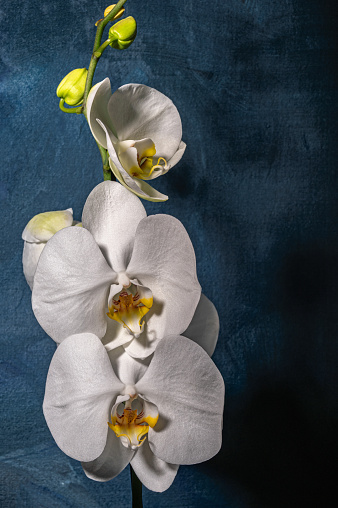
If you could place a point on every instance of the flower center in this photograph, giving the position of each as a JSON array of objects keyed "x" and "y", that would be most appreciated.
[
  {"x": 137, "y": 158},
  {"x": 129, "y": 306},
  {"x": 132, "y": 425}
]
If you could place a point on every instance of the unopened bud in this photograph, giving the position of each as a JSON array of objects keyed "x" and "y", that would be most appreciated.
[
  {"x": 107, "y": 11},
  {"x": 123, "y": 33},
  {"x": 72, "y": 87}
]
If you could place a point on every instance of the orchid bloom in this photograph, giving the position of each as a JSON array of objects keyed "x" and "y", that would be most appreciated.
[
  {"x": 141, "y": 129},
  {"x": 127, "y": 278},
  {"x": 108, "y": 412},
  {"x": 36, "y": 234}
]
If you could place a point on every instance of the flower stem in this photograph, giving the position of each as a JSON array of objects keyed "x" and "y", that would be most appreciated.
[
  {"x": 69, "y": 110},
  {"x": 96, "y": 55},
  {"x": 107, "y": 174},
  {"x": 97, "y": 46},
  {"x": 136, "y": 488}
]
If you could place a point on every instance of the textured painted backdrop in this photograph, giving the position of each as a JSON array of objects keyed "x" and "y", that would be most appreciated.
[{"x": 255, "y": 82}]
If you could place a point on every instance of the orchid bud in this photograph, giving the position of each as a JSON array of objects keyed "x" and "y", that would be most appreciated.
[
  {"x": 72, "y": 87},
  {"x": 36, "y": 234},
  {"x": 107, "y": 11},
  {"x": 123, "y": 33}
]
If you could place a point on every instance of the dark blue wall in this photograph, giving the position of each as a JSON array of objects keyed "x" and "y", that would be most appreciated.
[{"x": 255, "y": 82}]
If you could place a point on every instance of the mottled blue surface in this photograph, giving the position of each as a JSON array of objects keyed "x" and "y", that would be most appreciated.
[{"x": 255, "y": 82}]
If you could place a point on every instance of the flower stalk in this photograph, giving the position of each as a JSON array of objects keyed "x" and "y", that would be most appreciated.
[
  {"x": 107, "y": 174},
  {"x": 136, "y": 490},
  {"x": 69, "y": 110},
  {"x": 96, "y": 55},
  {"x": 97, "y": 50}
]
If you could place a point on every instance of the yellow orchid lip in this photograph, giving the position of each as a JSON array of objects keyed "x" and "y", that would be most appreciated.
[
  {"x": 129, "y": 306},
  {"x": 132, "y": 426}
]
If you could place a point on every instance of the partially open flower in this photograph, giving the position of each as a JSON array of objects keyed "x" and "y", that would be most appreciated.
[
  {"x": 36, "y": 234},
  {"x": 127, "y": 278},
  {"x": 155, "y": 417},
  {"x": 142, "y": 130}
]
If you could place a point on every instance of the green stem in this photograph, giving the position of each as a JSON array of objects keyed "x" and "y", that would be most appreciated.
[
  {"x": 100, "y": 49},
  {"x": 107, "y": 174},
  {"x": 97, "y": 46},
  {"x": 136, "y": 488},
  {"x": 69, "y": 110}
]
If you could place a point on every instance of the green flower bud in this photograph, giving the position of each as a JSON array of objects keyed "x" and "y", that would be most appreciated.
[
  {"x": 72, "y": 87},
  {"x": 123, "y": 33}
]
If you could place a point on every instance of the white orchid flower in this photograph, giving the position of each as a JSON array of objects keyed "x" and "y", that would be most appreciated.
[
  {"x": 36, "y": 234},
  {"x": 142, "y": 131},
  {"x": 154, "y": 418},
  {"x": 127, "y": 278}
]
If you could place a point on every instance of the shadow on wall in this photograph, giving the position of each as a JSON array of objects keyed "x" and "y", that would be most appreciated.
[{"x": 280, "y": 441}]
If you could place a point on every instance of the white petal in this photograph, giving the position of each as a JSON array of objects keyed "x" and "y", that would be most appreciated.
[
  {"x": 97, "y": 107},
  {"x": 80, "y": 390},
  {"x": 138, "y": 111},
  {"x": 30, "y": 257},
  {"x": 114, "y": 458},
  {"x": 204, "y": 327},
  {"x": 71, "y": 285},
  {"x": 115, "y": 336},
  {"x": 44, "y": 225},
  {"x": 153, "y": 472},
  {"x": 127, "y": 181},
  {"x": 112, "y": 215},
  {"x": 163, "y": 260},
  {"x": 139, "y": 187},
  {"x": 177, "y": 156},
  {"x": 129, "y": 370},
  {"x": 144, "y": 345},
  {"x": 188, "y": 390}
]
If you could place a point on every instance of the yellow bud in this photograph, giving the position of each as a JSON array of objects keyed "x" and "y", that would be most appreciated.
[
  {"x": 107, "y": 11},
  {"x": 123, "y": 33},
  {"x": 72, "y": 87}
]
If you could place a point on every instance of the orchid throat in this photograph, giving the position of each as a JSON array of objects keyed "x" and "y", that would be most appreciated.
[
  {"x": 129, "y": 306},
  {"x": 132, "y": 425}
]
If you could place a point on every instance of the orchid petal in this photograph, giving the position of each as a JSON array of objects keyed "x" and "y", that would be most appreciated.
[
  {"x": 112, "y": 215},
  {"x": 138, "y": 187},
  {"x": 153, "y": 472},
  {"x": 138, "y": 112},
  {"x": 188, "y": 390},
  {"x": 204, "y": 327},
  {"x": 129, "y": 161},
  {"x": 143, "y": 346},
  {"x": 114, "y": 458},
  {"x": 80, "y": 389},
  {"x": 129, "y": 370},
  {"x": 163, "y": 260},
  {"x": 115, "y": 164},
  {"x": 97, "y": 107},
  {"x": 30, "y": 257},
  {"x": 115, "y": 336},
  {"x": 72, "y": 279},
  {"x": 44, "y": 225}
]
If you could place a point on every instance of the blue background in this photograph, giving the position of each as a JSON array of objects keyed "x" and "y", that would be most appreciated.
[{"x": 255, "y": 82}]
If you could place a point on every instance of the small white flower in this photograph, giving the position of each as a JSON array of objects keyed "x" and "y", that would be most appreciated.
[
  {"x": 36, "y": 234},
  {"x": 142, "y": 130},
  {"x": 138, "y": 270},
  {"x": 171, "y": 412}
]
